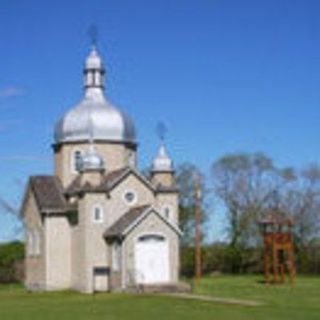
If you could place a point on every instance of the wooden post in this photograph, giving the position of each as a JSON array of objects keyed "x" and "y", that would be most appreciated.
[
  {"x": 274, "y": 257},
  {"x": 197, "y": 196},
  {"x": 291, "y": 268},
  {"x": 266, "y": 263},
  {"x": 281, "y": 267}
]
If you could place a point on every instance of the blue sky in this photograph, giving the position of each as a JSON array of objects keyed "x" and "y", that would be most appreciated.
[{"x": 225, "y": 76}]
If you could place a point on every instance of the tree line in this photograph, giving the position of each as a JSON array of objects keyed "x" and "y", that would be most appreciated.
[{"x": 244, "y": 188}]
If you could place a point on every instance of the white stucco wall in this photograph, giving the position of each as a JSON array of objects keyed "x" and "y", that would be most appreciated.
[
  {"x": 35, "y": 265},
  {"x": 58, "y": 252},
  {"x": 168, "y": 200}
]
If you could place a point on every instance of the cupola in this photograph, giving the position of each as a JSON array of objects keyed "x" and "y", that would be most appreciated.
[
  {"x": 162, "y": 172},
  {"x": 162, "y": 162}
]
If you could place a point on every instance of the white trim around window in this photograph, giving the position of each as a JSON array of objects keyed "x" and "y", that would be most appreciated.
[
  {"x": 166, "y": 211},
  {"x": 76, "y": 155},
  {"x": 130, "y": 197},
  {"x": 33, "y": 242},
  {"x": 98, "y": 213},
  {"x": 116, "y": 256}
]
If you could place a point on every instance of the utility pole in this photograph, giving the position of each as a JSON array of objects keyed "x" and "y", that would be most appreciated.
[{"x": 197, "y": 198}]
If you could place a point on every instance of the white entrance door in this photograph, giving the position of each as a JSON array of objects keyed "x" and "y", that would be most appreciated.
[{"x": 152, "y": 260}]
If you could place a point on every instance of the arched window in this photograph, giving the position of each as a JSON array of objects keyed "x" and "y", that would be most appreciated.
[
  {"x": 131, "y": 159},
  {"x": 98, "y": 215},
  {"x": 30, "y": 242},
  {"x": 167, "y": 212},
  {"x": 36, "y": 243},
  {"x": 76, "y": 161},
  {"x": 33, "y": 243}
]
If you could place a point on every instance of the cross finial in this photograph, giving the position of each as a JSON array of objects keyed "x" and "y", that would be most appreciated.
[
  {"x": 161, "y": 130},
  {"x": 93, "y": 34}
]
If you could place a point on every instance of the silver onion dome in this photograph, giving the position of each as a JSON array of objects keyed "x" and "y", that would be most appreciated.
[
  {"x": 91, "y": 160},
  {"x": 162, "y": 162},
  {"x": 108, "y": 122}
]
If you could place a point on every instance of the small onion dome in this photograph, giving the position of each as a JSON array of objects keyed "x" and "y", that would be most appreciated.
[
  {"x": 162, "y": 162},
  {"x": 91, "y": 160}
]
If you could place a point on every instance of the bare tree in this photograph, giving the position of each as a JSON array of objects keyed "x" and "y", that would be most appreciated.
[
  {"x": 245, "y": 184},
  {"x": 302, "y": 200},
  {"x": 9, "y": 208},
  {"x": 12, "y": 207}
]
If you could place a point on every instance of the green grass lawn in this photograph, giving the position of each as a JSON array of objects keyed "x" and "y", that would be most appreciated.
[{"x": 281, "y": 302}]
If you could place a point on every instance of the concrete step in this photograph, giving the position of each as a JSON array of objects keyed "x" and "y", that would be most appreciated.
[{"x": 180, "y": 287}]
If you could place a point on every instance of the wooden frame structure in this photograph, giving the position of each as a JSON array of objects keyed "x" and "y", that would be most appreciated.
[{"x": 278, "y": 247}]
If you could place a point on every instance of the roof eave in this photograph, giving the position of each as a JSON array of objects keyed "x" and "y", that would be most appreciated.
[{"x": 143, "y": 216}]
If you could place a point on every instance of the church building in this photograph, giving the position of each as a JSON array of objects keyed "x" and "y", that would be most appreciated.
[{"x": 97, "y": 223}]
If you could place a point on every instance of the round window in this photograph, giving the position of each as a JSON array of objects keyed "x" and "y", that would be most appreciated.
[{"x": 130, "y": 197}]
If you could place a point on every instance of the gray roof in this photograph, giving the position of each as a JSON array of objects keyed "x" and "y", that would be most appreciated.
[
  {"x": 113, "y": 177},
  {"x": 51, "y": 196},
  {"x": 125, "y": 221},
  {"x": 48, "y": 192},
  {"x": 167, "y": 189},
  {"x": 276, "y": 217},
  {"x": 107, "y": 182}
]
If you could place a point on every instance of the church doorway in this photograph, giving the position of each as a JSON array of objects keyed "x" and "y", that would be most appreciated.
[{"x": 152, "y": 259}]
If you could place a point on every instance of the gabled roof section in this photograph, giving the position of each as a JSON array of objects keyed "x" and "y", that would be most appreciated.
[
  {"x": 74, "y": 186},
  {"x": 125, "y": 173},
  {"x": 118, "y": 228},
  {"x": 132, "y": 218},
  {"x": 77, "y": 187},
  {"x": 113, "y": 177},
  {"x": 48, "y": 193},
  {"x": 109, "y": 182}
]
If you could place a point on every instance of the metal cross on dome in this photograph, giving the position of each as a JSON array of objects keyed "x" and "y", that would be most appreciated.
[
  {"x": 93, "y": 34},
  {"x": 161, "y": 130}
]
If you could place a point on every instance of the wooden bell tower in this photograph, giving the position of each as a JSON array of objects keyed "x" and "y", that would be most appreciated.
[{"x": 278, "y": 247}]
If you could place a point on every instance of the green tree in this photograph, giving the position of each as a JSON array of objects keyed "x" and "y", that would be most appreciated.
[{"x": 11, "y": 261}]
